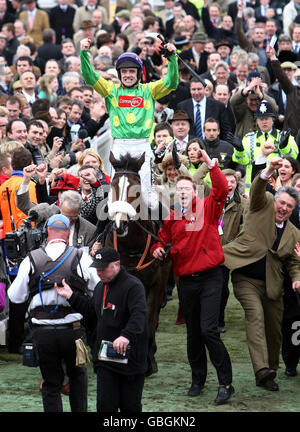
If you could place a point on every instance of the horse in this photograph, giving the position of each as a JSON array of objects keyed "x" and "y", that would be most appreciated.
[{"x": 132, "y": 235}]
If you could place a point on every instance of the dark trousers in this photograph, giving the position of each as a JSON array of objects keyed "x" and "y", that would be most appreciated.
[
  {"x": 224, "y": 296},
  {"x": 53, "y": 347},
  {"x": 16, "y": 319},
  {"x": 200, "y": 298},
  {"x": 116, "y": 391},
  {"x": 290, "y": 351}
]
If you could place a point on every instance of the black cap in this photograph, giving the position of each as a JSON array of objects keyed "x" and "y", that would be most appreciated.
[
  {"x": 251, "y": 75},
  {"x": 105, "y": 256}
]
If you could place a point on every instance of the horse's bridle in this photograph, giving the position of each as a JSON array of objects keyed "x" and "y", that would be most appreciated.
[
  {"x": 128, "y": 172},
  {"x": 140, "y": 265}
]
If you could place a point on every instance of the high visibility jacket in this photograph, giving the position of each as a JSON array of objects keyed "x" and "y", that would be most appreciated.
[
  {"x": 253, "y": 143},
  {"x": 13, "y": 184}
]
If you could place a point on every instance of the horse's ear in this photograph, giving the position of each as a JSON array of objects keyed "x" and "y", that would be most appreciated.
[
  {"x": 112, "y": 159},
  {"x": 141, "y": 160}
]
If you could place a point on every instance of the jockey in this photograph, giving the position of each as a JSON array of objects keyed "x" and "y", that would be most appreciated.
[{"x": 130, "y": 104}]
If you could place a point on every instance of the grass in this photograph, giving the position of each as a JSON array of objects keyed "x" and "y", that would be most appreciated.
[{"x": 166, "y": 390}]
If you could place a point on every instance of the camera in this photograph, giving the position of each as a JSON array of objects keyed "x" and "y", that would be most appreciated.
[{"x": 23, "y": 240}]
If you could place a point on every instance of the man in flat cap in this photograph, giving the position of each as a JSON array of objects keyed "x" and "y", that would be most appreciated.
[
  {"x": 197, "y": 53},
  {"x": 120, "y": 349}
]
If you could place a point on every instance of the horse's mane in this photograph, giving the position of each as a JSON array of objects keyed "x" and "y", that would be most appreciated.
[{"x": 127, "y": 162}]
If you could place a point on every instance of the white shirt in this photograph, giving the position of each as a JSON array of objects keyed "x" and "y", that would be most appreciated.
[
  {"x": 30, "y": 98},
  {"x": 18, "y": 292},
  {"x": 181, "y": 144}
]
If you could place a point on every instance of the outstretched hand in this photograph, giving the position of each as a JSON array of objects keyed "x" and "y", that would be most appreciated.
[{"x": 64, "y": 289}]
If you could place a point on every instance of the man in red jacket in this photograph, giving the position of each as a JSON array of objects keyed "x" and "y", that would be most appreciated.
[{"x": 196, "y": 252}]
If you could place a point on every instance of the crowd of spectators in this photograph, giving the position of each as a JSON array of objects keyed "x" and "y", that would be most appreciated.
[{"x": 243, "y": 111}]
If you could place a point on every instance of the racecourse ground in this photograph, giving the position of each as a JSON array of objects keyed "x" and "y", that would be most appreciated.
[{"x": 166, "y": 390}]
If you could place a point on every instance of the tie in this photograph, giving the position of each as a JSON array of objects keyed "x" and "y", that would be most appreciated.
[
  {"x": 198, "y": 122},
  {"x": 215, "y": 22},
  {"x": 266, "y": 136},
  {"x": 180, "y": 145},
  {"x": 296, "y": 49}
]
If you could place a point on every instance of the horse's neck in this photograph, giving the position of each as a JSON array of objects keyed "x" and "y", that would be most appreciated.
[{"x": 136, "y": 237}]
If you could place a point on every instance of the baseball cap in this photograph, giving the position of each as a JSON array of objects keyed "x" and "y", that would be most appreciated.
[
  {"x": 105, "y": 256},
  {"x": 59, "y": 218}
]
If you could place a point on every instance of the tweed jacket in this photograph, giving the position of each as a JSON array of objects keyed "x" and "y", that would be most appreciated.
[
  {"x": 41, "y": 23},
  {"x": 232, "y": 218}
]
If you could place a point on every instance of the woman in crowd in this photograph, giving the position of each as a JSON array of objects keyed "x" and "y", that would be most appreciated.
[
  {"x": 289, "y": 168},
  {"x": 92, "y": 186},
  {"x": 48, "y": 87}
]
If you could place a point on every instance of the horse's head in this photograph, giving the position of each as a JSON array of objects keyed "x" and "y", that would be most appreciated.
[{"x": 125, "y": 189}]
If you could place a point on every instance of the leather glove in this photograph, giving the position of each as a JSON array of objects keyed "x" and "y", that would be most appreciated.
[
  {"x": 176, "y": 160},
  {"x": 235, "y": 141},
  {"x": 284, "y": 138}
]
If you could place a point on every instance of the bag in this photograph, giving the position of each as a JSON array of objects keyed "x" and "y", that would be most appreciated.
[
  {"x": 2, "y": 296},
  {"x": 30, "y": 355},
  {"x": 82, "y": 355}
]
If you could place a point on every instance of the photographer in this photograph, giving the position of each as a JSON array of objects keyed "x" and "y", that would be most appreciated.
[
  {"x": 119, "y": 304},
  {"x": 163, "y": 133},
  {"x": 56, "y": 326},
  {"x": 69, "y": 203}
]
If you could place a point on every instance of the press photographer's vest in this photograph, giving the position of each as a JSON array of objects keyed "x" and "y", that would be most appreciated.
[{"x": 42, "y": 264}]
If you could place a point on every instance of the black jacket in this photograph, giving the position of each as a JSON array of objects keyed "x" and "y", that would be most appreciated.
[
  {"x": 215, "y": 32},
  {"x": 222, "y": 150},
  {"x": 127, "y": 318},
  {"x": 7, "y": 18},
  {"x": 47, "y": 51},
  {"x": 62, "y": 22},
  {"x": 10, "y": 50},
  {"x": 275, "y": 91},
  {"x": 188, "y": 55}
]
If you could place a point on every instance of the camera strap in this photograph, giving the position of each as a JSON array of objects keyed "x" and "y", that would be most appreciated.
[{"x": 47, "y": 274}]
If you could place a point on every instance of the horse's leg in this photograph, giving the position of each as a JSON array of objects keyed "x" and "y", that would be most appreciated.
[
  {"x": 154, "y": 298},
  {"x": 152, "y": 323}
]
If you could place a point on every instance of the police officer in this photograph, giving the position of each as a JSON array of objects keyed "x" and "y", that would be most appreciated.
[
  {"x": 119, "y": 304},
  {"x": 55, "y": 325},
  {"x": 266, "y": 142}
]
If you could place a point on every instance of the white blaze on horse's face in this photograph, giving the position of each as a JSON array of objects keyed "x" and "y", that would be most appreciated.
[
  {"x": 123, "y": 186},
  {"x": 121, "y": 210}
]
